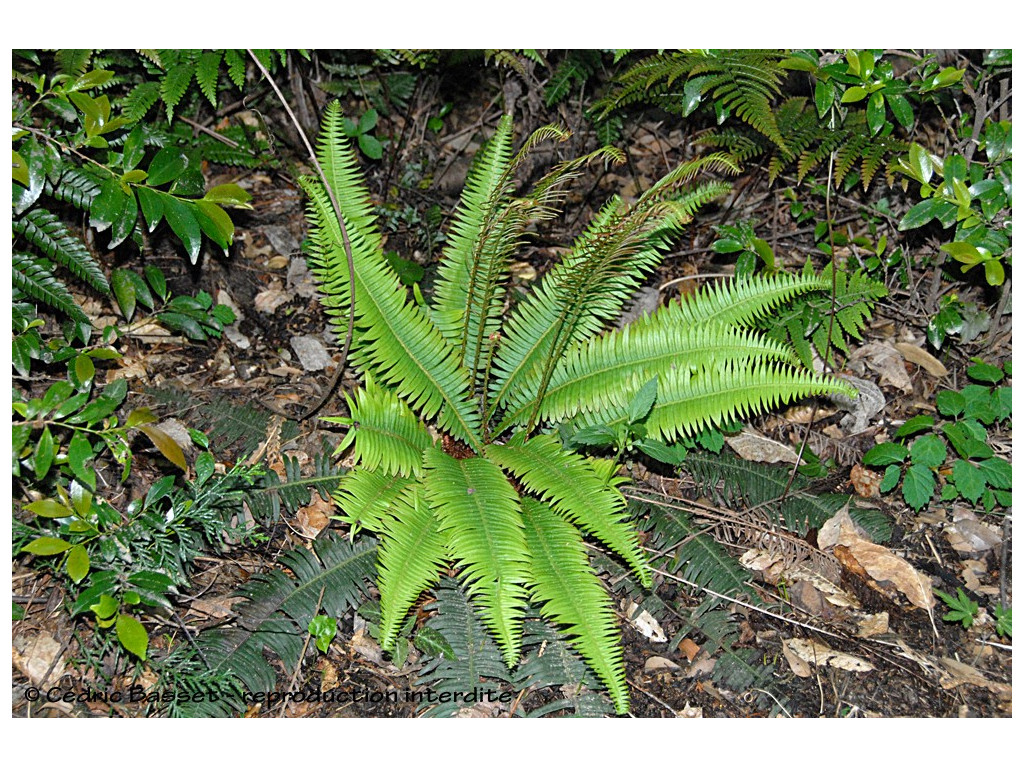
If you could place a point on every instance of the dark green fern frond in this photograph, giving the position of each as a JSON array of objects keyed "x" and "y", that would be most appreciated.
[
  {"x": 805, "y": 320},
  {"x": 34, "y": 279},
  {"x": 693, "y": 553},
  {"x": 744, "y": 82},
  {"x": 140, "y": 100},
  {"x": 479, "y": 514},
  {"x": 554, "y": 665},
  {"x": 570, "y": 485},
  {"x": 48, "y": 233},
  {"x": 273, "y": 494},
  {"x": 76, "y": 186},
  {"x": 573, "y": 597},
  {"x": 785, "y": 500},
  {"x": 476, "y": 658},
  {"x": 278, "y": 607}
]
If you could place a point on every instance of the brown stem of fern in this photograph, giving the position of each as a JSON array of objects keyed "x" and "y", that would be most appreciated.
[{"x": 346, "y": 243}]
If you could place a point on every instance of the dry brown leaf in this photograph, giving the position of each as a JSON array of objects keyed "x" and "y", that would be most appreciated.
[
  {"x": 755, "y": 447},
  {"x": 800, "y": 667},
  {"x": 816, "y": 652},
  {"x": 271, "y": 298},
  {"x": 689, "y": 648},
  {"x": 313, "y": 518},
  {"x": 879, "y": 563},
  {"x": 957, "y": 673},
  {"x": 918, "y": 356},
  {"x": 873, "y": 624},
  {"x": 883, "y": 358},
  {"x": 645, "y": 623},
  {"x": 660, "y": 664}
]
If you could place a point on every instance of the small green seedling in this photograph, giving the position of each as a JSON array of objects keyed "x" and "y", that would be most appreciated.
[{"x": 962, "y": 608}]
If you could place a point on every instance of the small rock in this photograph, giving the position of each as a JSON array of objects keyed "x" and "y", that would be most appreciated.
[
  {"x": 281, "y": 239},
  {"x": 311, "y": 352},
  {"x": 299, "y": 279}
]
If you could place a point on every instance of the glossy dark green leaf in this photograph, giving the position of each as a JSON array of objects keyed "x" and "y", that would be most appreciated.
[
  {"x": 108, "y": 206},
  {"x": 35, "y": 163},
  {"x": 215, "y": 223},
  {"x": 182, "y": 218},
  {"x": 71, "y": 405},
  {"x": 876, "y": 112},
  {"x": 152, "y": 204},
  {"x": 205, "y": 467},
  {"x": 167, "y": 165},
  {"x": 672, "y": 455},
  {"x": 133, "y": 150},
  {"x": 901, "y": 109},
  {"x": 924, "y": 212},
  {"x": 824, "y": 96},
  {"x": 82, "y": 371},
  {"x": 80, "y": 457},
  {"x": 96, "y": 411},
  {"x": 45, "y": 453}
]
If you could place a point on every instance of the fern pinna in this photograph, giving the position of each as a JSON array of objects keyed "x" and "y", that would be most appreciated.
[{"x": 491, "y": 489}]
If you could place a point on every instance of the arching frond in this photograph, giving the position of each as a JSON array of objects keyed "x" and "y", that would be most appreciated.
[
  {"x": 478, "y": 511},
  {"x": 571, "y": 595},
  {"x": 397, "y": 342},
  {"x": 568, "y": 482},
  {"x": 386, "y": 434},
  {"x": 691, "y": 400},
  {"x": 366, "y": 497}
]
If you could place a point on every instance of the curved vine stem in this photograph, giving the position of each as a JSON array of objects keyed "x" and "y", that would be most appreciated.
[{"x": 344, "y": 239}]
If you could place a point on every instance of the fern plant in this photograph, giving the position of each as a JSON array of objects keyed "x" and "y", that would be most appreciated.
[{"x": 453, "y": 433}]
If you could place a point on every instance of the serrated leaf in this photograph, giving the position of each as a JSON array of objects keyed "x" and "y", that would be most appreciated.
[
  {"x": 884, "y": 454},
  {"x": 643, "y": 401},
  {"x": 918, "y": 485},
  {"x": 970, "y": 481},
  {"x": 928, "y": 450}
]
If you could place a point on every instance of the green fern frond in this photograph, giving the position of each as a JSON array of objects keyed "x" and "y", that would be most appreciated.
[
  {"x": 278, "y": 607},
  {"x": 34, "y": 279},
  {"x": 73, "y": 61},
  {"x": 412, "y": 556},
  {"x": 207, "y": 73},
  {"x": 76, "y": 186},
  {"x": 805, "y": 320},
  {"x": 703, "y": 560},
  {"x": 476, "y": 657},
  {"x": 571, "y": 595},
  {"x": 386, "y": 434},
  {"x": 272, "y": 494},
  {"x": 624, "y": 360},
  {"x": 366, "y": 497},
  {"x": 143, "y": 96},
  {"x": 689, "y": 401},
  {"x": 397, "y": 342},
  {"x": 570, "y": 485},
  {"x": 176, "y": 80},
  {"x": 49, "y": 234},
  {"x": 479, "y": 513}
]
